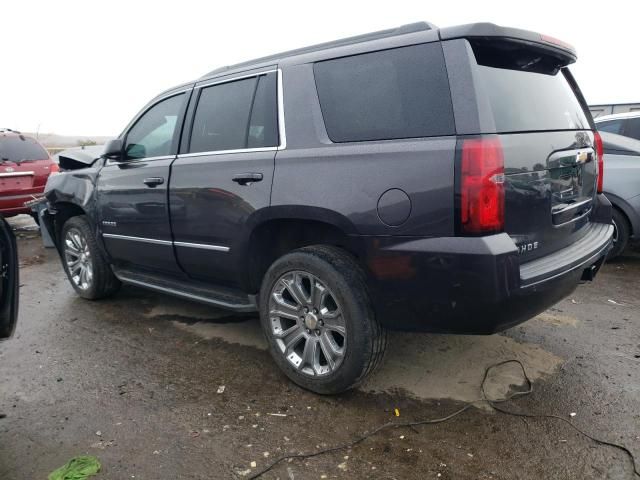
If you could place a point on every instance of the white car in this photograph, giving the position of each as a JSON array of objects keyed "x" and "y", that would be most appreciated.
[
  {"x": 626, "y": 124},
  {"x": 622, "y": 185}
]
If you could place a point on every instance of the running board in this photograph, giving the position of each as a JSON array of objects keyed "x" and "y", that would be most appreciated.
[{"x": 192, "y": 290}]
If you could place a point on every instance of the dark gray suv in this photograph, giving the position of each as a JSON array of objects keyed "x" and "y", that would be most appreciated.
[{"x": 442, "y": 180}]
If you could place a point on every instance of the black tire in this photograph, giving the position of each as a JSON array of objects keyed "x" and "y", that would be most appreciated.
[
  {"x": 35, "y": 217},
  {"x": 365, "y": 340},
  {"x": 621, "y": 234},
  {"x": 103, "y": 282}
]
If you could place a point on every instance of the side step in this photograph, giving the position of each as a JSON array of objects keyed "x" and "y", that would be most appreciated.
[{"x": 192, "y": 290}]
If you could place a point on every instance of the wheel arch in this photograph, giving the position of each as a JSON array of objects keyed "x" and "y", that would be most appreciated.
[
  {"x": 70, "y": 194},
  {"x": 278, "y": 230},
  {"x": 629, "y": 212}
]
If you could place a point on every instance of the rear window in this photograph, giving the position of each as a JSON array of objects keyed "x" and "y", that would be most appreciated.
[
  {"x": 18, "y": 148},
  {"x": 397, "y": 93},
  {"x": 530, "y": 101}
]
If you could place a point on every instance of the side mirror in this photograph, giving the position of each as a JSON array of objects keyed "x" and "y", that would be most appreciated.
[{"x": 113, "y": 149}]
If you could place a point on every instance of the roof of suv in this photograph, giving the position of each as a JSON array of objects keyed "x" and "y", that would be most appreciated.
[
  {"x": 7, "y": 132},
  {"x": 392, "y": 32},
  {"x": 617, "y": 116},
  {"x": 477, "y": 30}
]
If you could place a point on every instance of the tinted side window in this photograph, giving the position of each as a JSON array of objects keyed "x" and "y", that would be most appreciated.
[
  {"x": 611, "y": 126},
  {"x": 632, "y": 128},
  {"x": 222, "y": 116},
  {"x": 153, "y": 133},
  {"x": 398, "y": 93},
  {"x": 263, "y": 127}
]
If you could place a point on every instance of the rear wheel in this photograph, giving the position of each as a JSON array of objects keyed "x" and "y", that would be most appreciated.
[
  {"x": 36, "y": 218},
  {"x": 621, "y": 234},
  {"x": 317, "y": 317},
  {"x": 89, "y": 273}
]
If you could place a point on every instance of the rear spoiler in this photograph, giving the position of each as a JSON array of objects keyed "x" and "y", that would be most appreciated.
[{"x": 491, "y": 33}]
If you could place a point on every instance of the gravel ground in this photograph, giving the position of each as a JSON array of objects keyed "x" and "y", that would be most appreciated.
[{"x": 137, "y": 381}]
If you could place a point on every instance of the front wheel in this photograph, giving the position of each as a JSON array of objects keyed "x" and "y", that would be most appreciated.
[
  {"x": 317, "y": 317},
  {"x": 89, "y": 273}
]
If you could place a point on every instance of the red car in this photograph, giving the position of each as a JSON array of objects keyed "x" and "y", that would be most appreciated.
[{"x": 25, "y": 167}]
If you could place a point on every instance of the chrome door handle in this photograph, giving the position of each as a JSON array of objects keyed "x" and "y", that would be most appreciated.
[{"x": 153, "y": 181}]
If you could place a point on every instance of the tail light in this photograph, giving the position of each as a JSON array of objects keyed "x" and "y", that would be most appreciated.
[
  {"x": 481, "y": 186},
  {"x": 600, "y": 160},
  {"x": 55, "y": 168}
]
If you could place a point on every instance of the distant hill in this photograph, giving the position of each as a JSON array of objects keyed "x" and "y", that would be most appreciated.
[{"x": 54, "y": 141}]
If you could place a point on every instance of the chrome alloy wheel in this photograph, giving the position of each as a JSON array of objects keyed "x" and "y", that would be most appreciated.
[
  {"x": 307, "y": 323},
  {"x": 78, "y": 259}
]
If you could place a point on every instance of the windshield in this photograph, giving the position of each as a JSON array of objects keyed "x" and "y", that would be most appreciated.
[{"x": 17, "y": 148}]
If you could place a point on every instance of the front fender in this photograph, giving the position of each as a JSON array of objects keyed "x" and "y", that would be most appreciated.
[{"x": 76, "y": 187}]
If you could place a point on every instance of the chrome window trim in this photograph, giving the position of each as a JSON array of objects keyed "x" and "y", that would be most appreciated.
[
  {"x": 169, "y": 95},
  {"x": 204, "y": 246},
  {"x": 17, "y": 174},
  {"x": 225, "y": 152},
  {"x": 281, "y": 125},
  {"x": 217, "y": 248},
  {"x": 144, "y": 159},
  {"x": 138, "y": 239},
  {"x": 281, "y": 129},
  {"x": 233, "y": 79}
]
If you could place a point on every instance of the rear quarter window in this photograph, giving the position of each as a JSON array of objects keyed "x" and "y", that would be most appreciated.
[{"x": 389, "y": 94}]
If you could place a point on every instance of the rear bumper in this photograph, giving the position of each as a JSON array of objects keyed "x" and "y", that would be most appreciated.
[
  {"x": 475, "y": 285},
  {"x": 14, "y": 204}
]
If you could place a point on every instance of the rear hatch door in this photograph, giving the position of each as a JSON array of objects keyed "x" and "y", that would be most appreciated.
[
  {"x": 24, "y": 163},
  {"x": 548, "y": 144}
]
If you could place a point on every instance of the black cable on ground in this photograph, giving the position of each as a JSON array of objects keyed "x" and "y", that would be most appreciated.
[{"x": 495, "y": 404}]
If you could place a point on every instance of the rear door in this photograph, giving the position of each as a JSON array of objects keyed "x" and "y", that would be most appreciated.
[
  {"x": 224, "y": 173},
  {"x": 548, "y": 144},
  {"x": 132, "y": 191}
]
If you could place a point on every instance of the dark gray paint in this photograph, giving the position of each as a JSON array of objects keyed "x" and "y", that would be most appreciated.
[
  {"x": 471, "y": 107},
  {"x": 138, "y": 211},
  {"x": 394, "y": 207}
]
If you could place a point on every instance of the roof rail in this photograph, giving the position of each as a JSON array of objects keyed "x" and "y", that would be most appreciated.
[
  {"x": 9, "y": 130},
  {"x": 391, "y": 32}
]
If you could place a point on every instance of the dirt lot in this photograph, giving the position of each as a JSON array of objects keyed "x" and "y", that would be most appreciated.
[{"x": 137, "y": 381}]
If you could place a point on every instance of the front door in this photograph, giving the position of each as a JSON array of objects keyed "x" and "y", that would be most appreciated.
[
  {"x": 132, "y": 190},
  {"x": 224, "y": 175}
]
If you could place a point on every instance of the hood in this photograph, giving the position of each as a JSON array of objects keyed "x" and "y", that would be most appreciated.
[{"x": 76, "y": 158}]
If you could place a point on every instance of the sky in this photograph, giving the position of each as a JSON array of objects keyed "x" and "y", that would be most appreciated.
[{"x": 86, "y": 67}]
